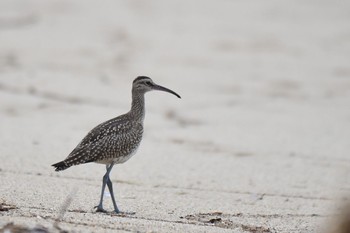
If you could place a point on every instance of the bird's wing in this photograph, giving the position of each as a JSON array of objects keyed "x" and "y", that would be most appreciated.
[
  {"x": 117, "y": 125},
  {"x": 109, "y": 146},
  {"x": 110, "y": 134}
]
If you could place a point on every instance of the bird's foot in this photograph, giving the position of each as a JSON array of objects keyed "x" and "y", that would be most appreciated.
[{"x": 99, "y": 208}]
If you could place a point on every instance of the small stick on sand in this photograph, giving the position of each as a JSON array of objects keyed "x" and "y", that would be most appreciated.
[{"x": 64, "y": 208}]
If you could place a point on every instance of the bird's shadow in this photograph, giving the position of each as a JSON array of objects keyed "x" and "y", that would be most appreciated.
[
  {"x": 121, "y": 214},
  {"x": 112, "y": 213}
]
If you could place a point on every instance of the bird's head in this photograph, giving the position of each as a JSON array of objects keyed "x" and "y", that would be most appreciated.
[{"x": 143, "y": 84}]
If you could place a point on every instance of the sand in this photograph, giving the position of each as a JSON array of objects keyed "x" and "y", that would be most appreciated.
[{"x": 259, "y": 141}]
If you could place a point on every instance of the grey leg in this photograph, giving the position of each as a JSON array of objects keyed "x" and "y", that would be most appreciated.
[
  {"x": 110, "y": 187},
  {"x": 99, "y": 207}
]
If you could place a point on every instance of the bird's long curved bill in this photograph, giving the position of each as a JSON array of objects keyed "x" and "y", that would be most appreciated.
[{"x": 160, "y": 88}]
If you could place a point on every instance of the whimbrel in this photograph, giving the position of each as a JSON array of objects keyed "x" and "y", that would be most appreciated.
[{"x": 115, "y": 140}]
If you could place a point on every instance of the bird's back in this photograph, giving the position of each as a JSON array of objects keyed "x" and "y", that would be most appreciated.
[{"x": 115, "y": 140}]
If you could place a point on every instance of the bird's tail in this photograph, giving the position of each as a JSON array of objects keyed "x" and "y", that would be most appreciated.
[{"x": 60, "y": 166}]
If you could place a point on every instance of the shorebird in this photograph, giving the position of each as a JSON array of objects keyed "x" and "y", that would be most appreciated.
[{"x": 114, "y": 141}]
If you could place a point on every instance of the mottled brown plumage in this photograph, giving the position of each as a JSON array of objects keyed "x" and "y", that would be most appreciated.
[{"x": 115, "y": 141}]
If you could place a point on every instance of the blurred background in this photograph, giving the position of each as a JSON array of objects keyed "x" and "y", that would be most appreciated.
[{"x": 262, "y": 128}]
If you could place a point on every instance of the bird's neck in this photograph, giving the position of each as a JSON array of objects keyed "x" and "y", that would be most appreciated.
[{"x": 138, "y": 106}]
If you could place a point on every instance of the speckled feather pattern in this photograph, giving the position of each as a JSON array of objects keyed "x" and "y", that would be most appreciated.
[{"x": 111, "y": 141}]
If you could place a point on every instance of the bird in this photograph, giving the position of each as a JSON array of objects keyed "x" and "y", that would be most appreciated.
[{"x": 114, "y": 141}]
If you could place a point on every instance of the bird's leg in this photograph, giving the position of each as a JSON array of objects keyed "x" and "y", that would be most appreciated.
[
  {"x": 99, "y": 207},
  {"x": 110, "y": 187}
]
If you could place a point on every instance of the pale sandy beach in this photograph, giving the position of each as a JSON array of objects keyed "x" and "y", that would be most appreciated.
[{"x": 259, "y": 141}]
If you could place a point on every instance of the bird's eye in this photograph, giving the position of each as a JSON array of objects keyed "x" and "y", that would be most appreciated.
[{"x": 148, "y": 83}]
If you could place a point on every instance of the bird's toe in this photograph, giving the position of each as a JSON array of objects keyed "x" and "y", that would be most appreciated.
[{"x": 100, "y": 209}]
